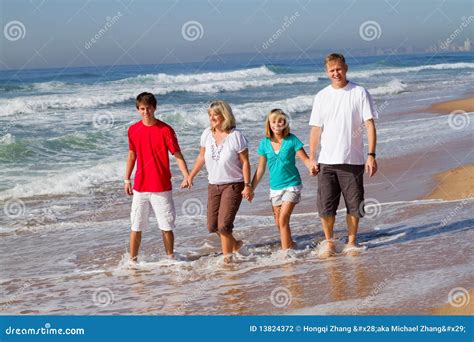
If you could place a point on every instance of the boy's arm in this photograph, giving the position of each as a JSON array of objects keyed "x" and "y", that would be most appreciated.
[
  {"x": 371, "y": 164},
  {"x": 183, "y": 167},
  {"x": 262, "y": 165},
  {"x": 131, "y": 159}
]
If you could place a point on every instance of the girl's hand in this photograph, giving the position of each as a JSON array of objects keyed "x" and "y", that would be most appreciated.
[{"x": 185, "y": 184}]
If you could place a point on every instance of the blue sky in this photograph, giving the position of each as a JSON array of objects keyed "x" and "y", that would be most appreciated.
[{"x": 56, "y": 33}]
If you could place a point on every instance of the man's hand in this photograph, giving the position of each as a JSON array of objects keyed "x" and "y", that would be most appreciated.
[
  {"x": 314, "y": 168},
  {"x": 371, "y": 166},
  {"x": 127, "y": 187}
]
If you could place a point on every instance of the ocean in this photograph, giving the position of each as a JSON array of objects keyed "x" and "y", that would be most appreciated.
[{"x": 65, "y": 221}]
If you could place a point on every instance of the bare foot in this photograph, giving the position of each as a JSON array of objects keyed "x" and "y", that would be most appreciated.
[
  {"x": 327, "y": 249},
  {"x": 353, "y": 249},
  {"x": 228, "y": 259},
  {"x": 171, "y": 256},
  {"x": 237, "y": 246}
]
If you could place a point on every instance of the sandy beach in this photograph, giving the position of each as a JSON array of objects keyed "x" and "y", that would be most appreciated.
[{"x": 464, "y": 104}]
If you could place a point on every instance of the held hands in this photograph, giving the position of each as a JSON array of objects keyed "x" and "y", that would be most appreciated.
[
  {"x": 187, "y": 183},
  {"x": 371, "y": 166},
  {"x": 313, "y": 167},
  {"x": 248, "y": 194}
]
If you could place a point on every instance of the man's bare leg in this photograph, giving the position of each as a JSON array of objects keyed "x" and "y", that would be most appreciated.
[
  {"x": 168, "y": 240},
  {"x": 135, "y": 239},
  {"x": 352, "y": 227},
  {"x": 328, "y": 227}
]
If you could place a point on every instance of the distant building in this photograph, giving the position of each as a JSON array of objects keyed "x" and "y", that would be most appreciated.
[{"x": 467, "y": 45}]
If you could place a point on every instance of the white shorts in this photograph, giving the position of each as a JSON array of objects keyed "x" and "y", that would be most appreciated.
[
  {"x": 162, "y": 204},
  {"x": 285, "y": 196}
]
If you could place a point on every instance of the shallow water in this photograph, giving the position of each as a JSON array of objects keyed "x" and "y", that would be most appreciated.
[{"x": 411, "y": 262}]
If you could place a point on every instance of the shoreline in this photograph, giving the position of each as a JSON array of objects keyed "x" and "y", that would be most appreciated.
[{"x": 465, "y": 104}]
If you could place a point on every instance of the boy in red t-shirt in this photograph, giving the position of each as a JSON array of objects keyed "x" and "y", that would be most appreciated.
[{"x": 149, "y": 141}]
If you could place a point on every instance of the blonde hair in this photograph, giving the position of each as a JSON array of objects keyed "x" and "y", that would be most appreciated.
[
  {"x": 223, "y": 108},
  {"x": 334, "y": 57},
  {"x": 277, "y": 113}
]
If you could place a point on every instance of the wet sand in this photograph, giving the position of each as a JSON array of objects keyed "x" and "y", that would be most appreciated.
[
  {"x": 457, "y": 183},
  {"x": 465, "y": 104},
  {"x": 461, "y": 310}
]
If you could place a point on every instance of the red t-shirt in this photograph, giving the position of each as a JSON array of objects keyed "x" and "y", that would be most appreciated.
[{"x": 152, "y": 144}]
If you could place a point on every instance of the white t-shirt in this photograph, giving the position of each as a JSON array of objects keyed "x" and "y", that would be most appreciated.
[
  {"x": 341, "y": 114},
  {"x": 223, "y": 162}
]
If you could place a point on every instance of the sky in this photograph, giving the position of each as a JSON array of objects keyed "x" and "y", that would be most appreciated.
[{"x": 54, "y": 33}]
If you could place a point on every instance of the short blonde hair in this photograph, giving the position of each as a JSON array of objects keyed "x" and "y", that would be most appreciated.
[
  {"x": 277, "y": 113},
  {"x": 334, "y": 57},
  {"x": 223, "y": 109}
]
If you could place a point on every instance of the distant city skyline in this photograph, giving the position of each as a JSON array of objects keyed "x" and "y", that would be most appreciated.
[{"x": 48, "y": 34}]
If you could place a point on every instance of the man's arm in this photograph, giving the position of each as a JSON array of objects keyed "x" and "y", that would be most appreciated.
[
  {"x": 314, "y": 138},
  {"x": 131, "y": 159},
  {"x": 371, "y": 164},
  {"x": 183, "y": 167}
]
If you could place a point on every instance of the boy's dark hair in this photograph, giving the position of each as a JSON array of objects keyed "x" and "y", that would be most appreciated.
[{"x": 146, "y": 99}]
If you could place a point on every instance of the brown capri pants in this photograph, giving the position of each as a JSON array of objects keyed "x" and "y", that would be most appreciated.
[
  {"x": 223, "y": 202},
  {"x": 341, "y": 178}
]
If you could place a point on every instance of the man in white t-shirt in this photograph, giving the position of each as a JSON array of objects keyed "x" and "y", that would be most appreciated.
[{"x": 340, "y": 112}]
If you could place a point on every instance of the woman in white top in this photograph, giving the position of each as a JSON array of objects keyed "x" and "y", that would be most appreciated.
[{"x": 224, "y": 151}]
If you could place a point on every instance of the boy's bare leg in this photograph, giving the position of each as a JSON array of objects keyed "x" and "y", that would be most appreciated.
[
  {"x": 135, "y": 239},
  {"x": 227, "y": 243},
  {"x": 352, "y": 227},
  {"x": 168, "y": 240},
  {"x": 328, "y": 227},
  {"x": 284, "y": 222}
]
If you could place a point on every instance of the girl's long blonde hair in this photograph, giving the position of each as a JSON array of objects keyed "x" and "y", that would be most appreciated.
[{"x": 277, "y": 113}]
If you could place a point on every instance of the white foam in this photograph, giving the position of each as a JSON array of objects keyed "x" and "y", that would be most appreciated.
[
  {"x": 391, "y": 88},
  {"x": 68, "y": 181}
]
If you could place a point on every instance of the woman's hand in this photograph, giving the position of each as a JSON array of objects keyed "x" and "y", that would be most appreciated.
[{"x": 247, "y": 193}]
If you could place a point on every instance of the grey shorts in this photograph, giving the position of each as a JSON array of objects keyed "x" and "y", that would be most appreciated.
[
  {"x": 341, "y": 178},
  {"x": 286, "y": 196}
]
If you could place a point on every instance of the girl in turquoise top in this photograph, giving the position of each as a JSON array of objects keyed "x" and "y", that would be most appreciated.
[{"x": 279, "y": 150}]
